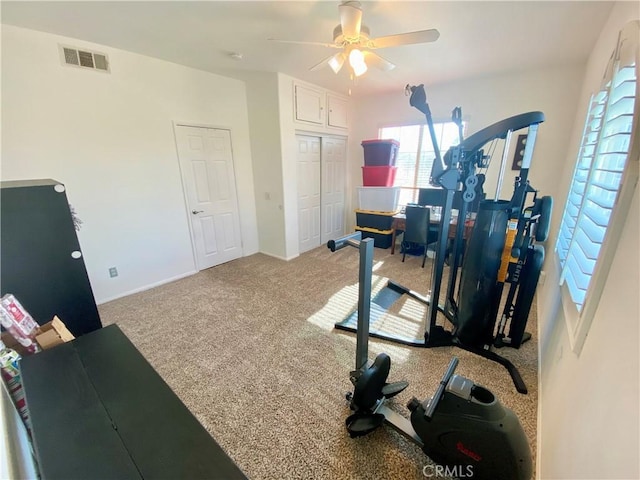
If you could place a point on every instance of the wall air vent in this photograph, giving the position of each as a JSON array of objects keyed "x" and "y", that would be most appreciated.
[{"x": 84, "y": 58}]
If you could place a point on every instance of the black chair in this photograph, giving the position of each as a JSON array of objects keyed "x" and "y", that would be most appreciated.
[{"x": 417, "y": 233}]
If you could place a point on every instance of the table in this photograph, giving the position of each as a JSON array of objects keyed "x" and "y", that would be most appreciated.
[
  {"x": 400, "y": 221},
  {"x": 99, "y": 410}
]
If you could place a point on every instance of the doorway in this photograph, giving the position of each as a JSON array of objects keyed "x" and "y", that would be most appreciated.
[{"x": 208, "y": 176}]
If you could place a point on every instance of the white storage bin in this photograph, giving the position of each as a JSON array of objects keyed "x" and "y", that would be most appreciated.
[{"x": 378, "y": 199}]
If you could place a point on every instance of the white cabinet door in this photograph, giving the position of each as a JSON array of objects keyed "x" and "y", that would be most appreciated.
[
  {"x": 337, "y": 114},
  {"x": 309, "y": 105}
]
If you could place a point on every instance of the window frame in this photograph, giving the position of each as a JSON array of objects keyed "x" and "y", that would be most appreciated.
[
  {"x": 579, "y": 321},
  {"x": 424, "y": 132}
]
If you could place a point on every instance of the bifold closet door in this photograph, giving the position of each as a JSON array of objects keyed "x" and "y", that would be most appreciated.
[
  {"x": 321, "y": 189},
  {"x": 308, "y": 192},
  {"x": 332, "y": 187}
]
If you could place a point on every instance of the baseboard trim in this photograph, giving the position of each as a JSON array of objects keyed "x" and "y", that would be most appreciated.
[
  {"x": 286, "y": 259},
  {"x": 147, "y": 287},
  {"x": 177, "y": 277}
]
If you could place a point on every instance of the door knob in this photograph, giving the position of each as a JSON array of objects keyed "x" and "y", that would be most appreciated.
[{"x": 195, "y": 212}]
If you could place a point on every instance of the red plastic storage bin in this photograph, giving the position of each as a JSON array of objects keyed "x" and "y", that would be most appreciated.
[
  {"x": 378, "y": 176},
  {"x": 380, "y": 152}
]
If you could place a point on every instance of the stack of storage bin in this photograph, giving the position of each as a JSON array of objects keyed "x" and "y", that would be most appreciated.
[
  {"x": 378, "y": 198},
  {"x": 376, "y": 225},
  {"x": 379, "y": 162}
]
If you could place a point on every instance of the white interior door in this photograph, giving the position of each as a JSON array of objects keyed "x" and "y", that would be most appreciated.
[
  {"x": 206, "y": 164},
  {"x": 333, "y": 186},
  {"x": 308, "y": 192}
]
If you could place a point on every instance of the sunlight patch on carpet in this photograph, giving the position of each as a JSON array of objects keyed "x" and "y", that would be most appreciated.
[
  {"x": 343, "y": 303},
  {"x": 413, "y": 309},
  {"x": 340, "y": 305}
]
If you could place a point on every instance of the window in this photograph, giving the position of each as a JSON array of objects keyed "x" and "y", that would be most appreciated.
[
  {"x": 603, "y": 182},
  {"x": 416, "y": 154}
]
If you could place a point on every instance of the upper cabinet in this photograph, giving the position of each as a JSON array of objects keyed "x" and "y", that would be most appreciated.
[
  {"x": 314, "y": 106},
  {"x": 309, "y": 104},
  {"x": 337, "y": 111}
]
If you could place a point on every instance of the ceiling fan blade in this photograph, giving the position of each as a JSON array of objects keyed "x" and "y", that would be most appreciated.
[
  {"x": 320, "y": 64},
  {"x": 337, "y": 61},
  {"x": 421, "y": 36},
  {"x": 324, "y": 62},
  {"x": 375, "y": 60},
  {"x": 350, "y": 19},
  {"x": 331, "y": 45}
]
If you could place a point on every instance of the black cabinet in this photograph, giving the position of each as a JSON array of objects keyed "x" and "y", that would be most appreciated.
[{"x": 41, "y": 262}]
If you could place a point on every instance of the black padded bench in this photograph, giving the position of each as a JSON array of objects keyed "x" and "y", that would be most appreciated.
[{"x": 100, "y": 410}]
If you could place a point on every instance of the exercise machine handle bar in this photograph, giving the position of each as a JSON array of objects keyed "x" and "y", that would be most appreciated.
[
  {"x": 440, "y": 391},
  {"x": 418, "y": 100},
  {"x": 352, "y": 240}
]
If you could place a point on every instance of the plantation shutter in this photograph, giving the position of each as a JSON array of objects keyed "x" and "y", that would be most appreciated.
[
  {"x": 581, "y": 174},
  {"x": 598, "y": 175}
]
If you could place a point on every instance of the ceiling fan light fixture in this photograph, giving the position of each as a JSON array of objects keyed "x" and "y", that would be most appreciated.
[
  {"x": 336, "y": 62},
  {"x": 356, "y": 46},
  {"x": 356, "y": 60}
]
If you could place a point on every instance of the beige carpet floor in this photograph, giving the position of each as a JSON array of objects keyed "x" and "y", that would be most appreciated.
[{"x": 250, "y": 348}]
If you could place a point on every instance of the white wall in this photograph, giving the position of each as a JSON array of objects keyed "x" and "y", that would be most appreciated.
[
  {"x": 589, "y": 404},
  {"x": 109, "y": 138},
  {"x": 485, "y": 101},
  {"x": 266, "y": 152},
  {"x": 289, "y": 165}
]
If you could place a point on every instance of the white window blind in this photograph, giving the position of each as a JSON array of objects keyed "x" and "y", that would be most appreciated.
[
  {"x": 596, "y": 181},
  {"x": 603, "y": 182},
  {"x": 581, "y": 174}
]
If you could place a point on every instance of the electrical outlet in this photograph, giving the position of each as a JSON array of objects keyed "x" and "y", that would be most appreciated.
[{"x": 113, "y": 272}]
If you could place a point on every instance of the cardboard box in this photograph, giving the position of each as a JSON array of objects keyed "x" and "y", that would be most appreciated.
[{"x": 53, "y": 333}]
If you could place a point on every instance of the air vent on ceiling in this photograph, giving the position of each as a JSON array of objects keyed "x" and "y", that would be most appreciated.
[{"x": 83, "y": 58}]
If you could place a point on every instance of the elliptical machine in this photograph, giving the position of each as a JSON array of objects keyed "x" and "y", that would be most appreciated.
[{"x": 463, "y": 427}]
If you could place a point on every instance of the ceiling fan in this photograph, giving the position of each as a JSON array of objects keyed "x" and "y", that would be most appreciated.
[{"x": 352, "y": 37}]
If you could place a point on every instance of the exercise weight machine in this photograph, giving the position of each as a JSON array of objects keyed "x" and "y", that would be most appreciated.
[
  {"x": 501, "y": 248},
  {"x": 463, "y": 426}
]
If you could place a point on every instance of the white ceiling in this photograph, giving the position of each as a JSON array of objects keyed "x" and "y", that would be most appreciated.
[{"x": 477, "y": 38}]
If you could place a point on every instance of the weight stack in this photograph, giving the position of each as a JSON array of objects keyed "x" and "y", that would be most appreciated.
[{"x": 478, "y": 281}]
